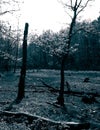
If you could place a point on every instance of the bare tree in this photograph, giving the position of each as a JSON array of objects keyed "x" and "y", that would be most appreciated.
[{"x": 75, "y": 7}]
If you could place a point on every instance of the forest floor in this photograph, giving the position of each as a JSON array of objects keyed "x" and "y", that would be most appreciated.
[{"x": 39, "y": 100}]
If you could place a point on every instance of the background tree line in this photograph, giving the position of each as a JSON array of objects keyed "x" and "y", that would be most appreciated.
[{"x": 45, "y": 50}]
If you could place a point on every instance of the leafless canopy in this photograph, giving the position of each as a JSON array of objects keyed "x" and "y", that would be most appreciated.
[{"x": 75, "y": 6}]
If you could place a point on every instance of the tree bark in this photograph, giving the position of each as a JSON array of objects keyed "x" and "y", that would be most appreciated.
[
  {"x": 60, "y": 99},
  {"x": 21, "y": 85}
]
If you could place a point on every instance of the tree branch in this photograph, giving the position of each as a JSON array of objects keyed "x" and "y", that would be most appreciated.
[
  {"x": 83, "y": 7},
  {"x": 71, "y": 92},
  {"x": 8, "y": 11},
  {"x": 79, "y": 4},
  {"x": 40, "y": 122}
]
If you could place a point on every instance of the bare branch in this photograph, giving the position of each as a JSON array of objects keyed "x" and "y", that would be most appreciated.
[
  {"x": 83, "y": 7},
  {"x": 79, "y": 4},
  {"x": 69, "y": 15},
  {"x": 76, "y": 3},
  {"x": 65, "y": 5},
  {"x": 8, "y": 11},
  {"x": 69, "y": 6},
  {"x": 9, "y": 3}
]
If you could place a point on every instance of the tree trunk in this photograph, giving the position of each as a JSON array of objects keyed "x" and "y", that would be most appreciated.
[
  {"x": 21, "y": 85},
  {"x": 7, "y": 66},
  {"x": 60, "y": 99},
  {"x": 16, "y": 57}
]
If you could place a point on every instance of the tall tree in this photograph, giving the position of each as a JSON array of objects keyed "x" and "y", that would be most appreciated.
[
  {"x": 21, "y": 85},
  {"x": 75, "y": 7}
]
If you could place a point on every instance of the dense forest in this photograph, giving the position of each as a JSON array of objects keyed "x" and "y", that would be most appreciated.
[{"x": 45, "y": 50}]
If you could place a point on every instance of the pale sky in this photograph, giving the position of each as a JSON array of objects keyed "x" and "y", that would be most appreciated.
[
  {"x": 49, "y": 14},
  {"x": 44, "y": 14}
]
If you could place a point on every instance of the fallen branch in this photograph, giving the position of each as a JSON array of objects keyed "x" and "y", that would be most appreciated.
[
  {"x": 71, "y": 92},
  {"x": 82, "y": 93},
  {"x": 27, "y": 90},
  {"x": 54, "y": 104},
  {"x": 49, "y": 87},
  {"x": 8, "y": 90},
  {"x": 40, "y": 122}
]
